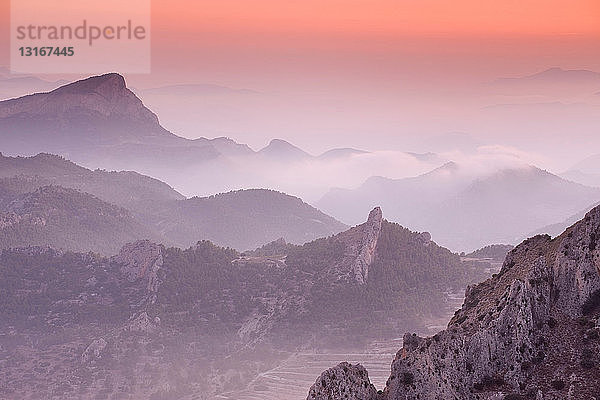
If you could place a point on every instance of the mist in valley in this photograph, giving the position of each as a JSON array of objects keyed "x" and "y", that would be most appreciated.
[{"x": 292, "y": 193}]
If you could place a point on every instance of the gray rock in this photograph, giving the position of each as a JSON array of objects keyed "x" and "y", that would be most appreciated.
[
  {"x": 345, "y": 381},
  {"x": 142, "y": 260}
]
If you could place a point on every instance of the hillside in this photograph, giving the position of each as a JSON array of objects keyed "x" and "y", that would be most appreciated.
[
  {"x": 64, "y": 218},
  {"x": 128, "y": 189},
  {"x": 157, "y": 322},
  {"x": 243, "y": 219},
  {"x": 530, "y": 331}
]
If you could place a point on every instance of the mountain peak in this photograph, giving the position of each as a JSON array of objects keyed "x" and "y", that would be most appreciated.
[
  {"x": 281, "y": 149},
  {"x": 107, "y": 85},
  {"x": 96, "y": 110}
]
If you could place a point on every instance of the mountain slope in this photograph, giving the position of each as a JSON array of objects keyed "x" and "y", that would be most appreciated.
[
  {"x": 96, "y": 121},
  {"x": 158, "y": 322},
  {"x": 466, "y": 211},
  {"x": 128, "y": 189},
  {"x": 245, "y": 219},
  {"x": 64, "y": 218},
  {"x": 280, "y": 150},
  {"x": 529, "y": 332}
]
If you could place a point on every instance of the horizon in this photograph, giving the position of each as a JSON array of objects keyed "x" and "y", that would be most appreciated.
[{"x": 299, "y": 199}]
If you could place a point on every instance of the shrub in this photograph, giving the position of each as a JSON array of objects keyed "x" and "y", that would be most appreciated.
[{"x": 558, "y": 384}]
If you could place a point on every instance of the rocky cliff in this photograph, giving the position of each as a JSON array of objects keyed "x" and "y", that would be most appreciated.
[
  {"x": 359, "y": 245},
  {"x": 530, "y": 332},
  {"x": 106, "y": 95}
]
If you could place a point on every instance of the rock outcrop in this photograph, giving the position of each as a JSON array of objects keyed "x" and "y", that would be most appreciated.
[
  {"x": 529, "y": 332},
  {"x": 345, "y": 381},
  {"x": 360, "y": 243},
  {"x": 107, "y": 95},
  {"x": 366, "y": 250},
  {"x": 142, "y": 260}
]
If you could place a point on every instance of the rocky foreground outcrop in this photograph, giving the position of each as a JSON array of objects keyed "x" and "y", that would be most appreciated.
[
  {"x": 530, "y": 332},
  {"x": 346, "y": 381}
]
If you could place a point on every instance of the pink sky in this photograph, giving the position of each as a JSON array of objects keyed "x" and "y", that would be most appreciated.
[
  {"x": 365, "y": 72},
  {"x": 262, "y": 42}
]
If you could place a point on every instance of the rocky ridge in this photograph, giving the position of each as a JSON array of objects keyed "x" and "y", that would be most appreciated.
[{"x": 531, "y": 331}]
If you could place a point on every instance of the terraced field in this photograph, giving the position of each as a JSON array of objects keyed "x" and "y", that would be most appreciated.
[{"x": 292, "y": 379}]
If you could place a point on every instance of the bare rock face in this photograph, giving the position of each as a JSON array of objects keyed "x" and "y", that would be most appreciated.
[
  {"x": 366, "y": 249},
  {"x": 360, "y": 243},
  {"x": 345, "y": 381},
  {"x": 93, "y": 351},
  {"x": 142, "y": 260},
  {"x": 529, "y": 332}
]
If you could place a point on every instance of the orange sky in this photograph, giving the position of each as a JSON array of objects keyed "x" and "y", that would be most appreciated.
[
  {"x": 390, "y": 16},
  {"x": 249, "y": 42}
]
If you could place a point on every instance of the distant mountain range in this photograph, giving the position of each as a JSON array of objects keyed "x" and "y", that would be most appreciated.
[
  {"x": 553, "y": 80},
  {"x": 466, "y": 211},
  {"x": 99, "y": 123},
  {"x": 244, "y": 219}
]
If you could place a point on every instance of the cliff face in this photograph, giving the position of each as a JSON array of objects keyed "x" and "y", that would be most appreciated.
[
  {"x": 532, "y": 331},
  {"x": 359, "y": 249},
  {"x": 106, "y": 95}
]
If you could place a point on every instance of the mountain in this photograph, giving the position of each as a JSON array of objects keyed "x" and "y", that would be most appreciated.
[
  {"x": 99, "y": 122},
  {"x": 464, "y": 210},
  {"x": 530, "y": 331},
  {"x": 586, "y": 171},
  {"x": 64, "y": 218},
  {"x": 557, "y": 75},
  {"x": 496, "y": 252},
  {"x": 128, "y": 189},
  {"x": 156, "y": 322},
  {"x": 407, "y": 193},
  {"x": 280, "y": 150},
  {"x": 242, "y": 219},
  {"x": 96, "y": 121},
  {"x": 589, "y": 165},
  {"x": 555, "y": 81},
  {"x": 245, "y": 219}
]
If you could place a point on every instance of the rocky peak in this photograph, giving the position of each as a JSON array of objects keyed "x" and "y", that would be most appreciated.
[
  {"x": 108, "y": 85},
  {"x": 105, "y": 95},
  {"x": 366, "y": 250},
  {"x": 531, "y": 331},
  {"x": 359, "y": 250}
]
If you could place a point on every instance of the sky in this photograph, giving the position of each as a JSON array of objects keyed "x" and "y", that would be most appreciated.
[{"x": 374, "y": 74}]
